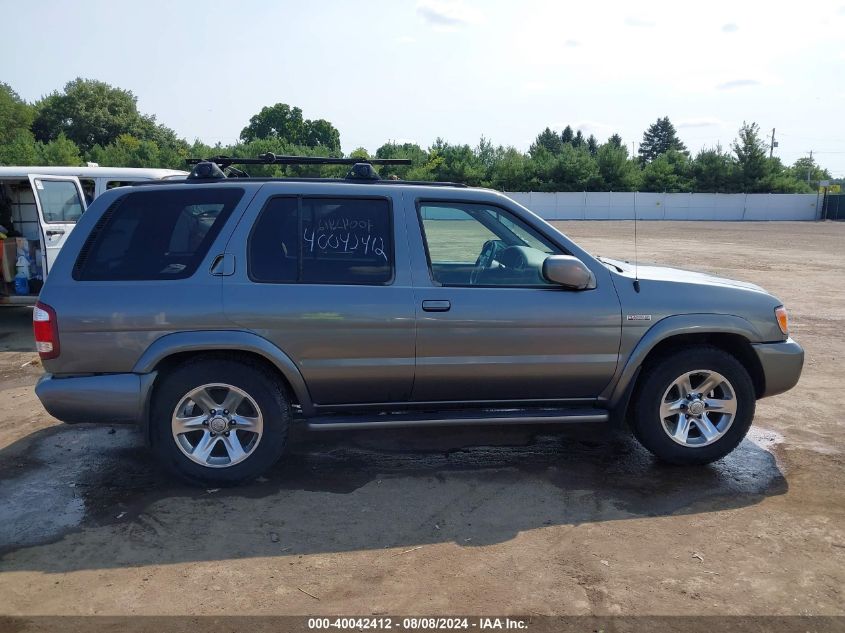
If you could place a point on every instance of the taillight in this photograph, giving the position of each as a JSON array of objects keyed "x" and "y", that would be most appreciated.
[{"x": 45, "y": 326}]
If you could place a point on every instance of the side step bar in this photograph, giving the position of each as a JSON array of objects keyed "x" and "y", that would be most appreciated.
[{"x": 455, "y": 418}]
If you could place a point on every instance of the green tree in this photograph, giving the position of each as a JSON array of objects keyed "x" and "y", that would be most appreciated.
[
  {"x": 750, "y": 150},
  {"x": 548, "y": 140},
  {"x": 659, "y": 138},
  {"x": 512, "y": 171},
  {"x": 286, "y": 123},
  {"x": 578, "y": 141},
  {"x": 615, "y": 140},
  {"x": 592, "y": 145},
  {"x": 88, "y": 112},
  {"x": 808, "y": 171},
  {"x": 412, "y": 151},
  {"x": 618, "y": 172},
  {"x": 567, "y": 135},
  {"x": 321, "y": 133},
  {"x": 20, "y": 150},
  {"x": 573, "y": 170},
  {"x": 62, "y": 152},
  {"x": 16, "y": 115},
  {"x": 279, "y": 121},
  {"x": 714, "y": 171},
  {"x": 668, "y": 172}
]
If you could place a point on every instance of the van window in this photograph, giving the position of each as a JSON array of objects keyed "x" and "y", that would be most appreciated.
[
  {"x": 59, "y": 200},
  {"x": 111, "y": 184},
  {"x": 155, "y": 234},
  {"x": 89, "y": 189},
  {"x": 322, "y": 241}
]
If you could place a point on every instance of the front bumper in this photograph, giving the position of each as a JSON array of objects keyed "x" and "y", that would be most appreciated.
[
  {"x": 781, "y": 363},
  {"x": 102, "y": 399}
]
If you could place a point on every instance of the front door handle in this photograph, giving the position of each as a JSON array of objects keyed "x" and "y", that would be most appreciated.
[
  {"x": 435, "y": 305},
  {"x": 52, "y": 232}
]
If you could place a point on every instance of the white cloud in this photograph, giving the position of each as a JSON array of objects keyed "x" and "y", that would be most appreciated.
[
  {"x": 730, "y": 27},
  {"x": 572, "y": 43},
  {"x": 639, "y": 21},
  {"x": 405, "y": 39},
  {"x": 447, "y": 14},
  {"x": 593, "y": 127},
  {"x": 699, "y": 122},
  {"x": 737, "y": 83}
]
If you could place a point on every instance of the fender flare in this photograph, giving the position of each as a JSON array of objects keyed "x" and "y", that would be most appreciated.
[
  {"x": 214, "y": 340},
  {"x": 667, "y": 328}
]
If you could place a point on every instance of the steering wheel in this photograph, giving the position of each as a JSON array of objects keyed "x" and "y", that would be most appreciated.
[{"x": 485, "y": 259}]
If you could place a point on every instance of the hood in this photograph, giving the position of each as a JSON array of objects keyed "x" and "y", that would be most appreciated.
[{"x": 664, "y": 273}]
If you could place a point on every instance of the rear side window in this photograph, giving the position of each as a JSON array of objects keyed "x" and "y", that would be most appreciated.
[
  {"x": 155, "y": 234},
  {"x": 322, "y": 241}
]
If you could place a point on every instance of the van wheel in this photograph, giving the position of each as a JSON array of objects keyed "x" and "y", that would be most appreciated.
[
  {"x": 219, "y": 421},
  {"x": 694, "y": 406}
]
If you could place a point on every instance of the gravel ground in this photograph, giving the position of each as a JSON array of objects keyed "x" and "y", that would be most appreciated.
[{"x": 523, "y": 521}]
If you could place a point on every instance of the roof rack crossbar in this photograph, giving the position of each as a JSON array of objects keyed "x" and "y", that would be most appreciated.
[{"x": 274, "y": 159}]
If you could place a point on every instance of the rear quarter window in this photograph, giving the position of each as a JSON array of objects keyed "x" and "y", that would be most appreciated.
[{"x": 149, "y": 235}]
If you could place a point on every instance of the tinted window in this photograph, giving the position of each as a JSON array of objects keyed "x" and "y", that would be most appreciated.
[
  {"x": 274, "y": 247},
  {"x": 322, "y": 240},
  {"x": 155, "y": 234},
  {"x": 480, "y": 245}
]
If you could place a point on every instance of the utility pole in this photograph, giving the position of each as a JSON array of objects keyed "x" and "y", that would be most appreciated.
[
  {"x": 810, "y": 167},
  {"x": 773, "y": 145}
]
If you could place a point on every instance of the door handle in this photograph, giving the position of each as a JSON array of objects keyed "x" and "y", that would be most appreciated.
[
  {"x": 55, "y": 232},
  {"x": 223, "y": 265},
  {"x": 435, "y": 305}
]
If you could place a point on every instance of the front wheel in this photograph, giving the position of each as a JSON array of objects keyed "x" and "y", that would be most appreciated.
[
  {"x": 694, "y": 407},
  {"x": 219, "y": 421}
]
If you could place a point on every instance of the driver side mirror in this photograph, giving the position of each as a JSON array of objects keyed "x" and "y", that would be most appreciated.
[{"x": 569, "y": 272}]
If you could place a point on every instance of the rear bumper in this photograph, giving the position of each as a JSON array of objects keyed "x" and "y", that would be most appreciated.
[
  {"x": 781, "y": 363},
  {"x": 103, "y": 399}
]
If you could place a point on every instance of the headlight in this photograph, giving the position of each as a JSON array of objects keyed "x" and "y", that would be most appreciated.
[{"x": 783, "y": 319}]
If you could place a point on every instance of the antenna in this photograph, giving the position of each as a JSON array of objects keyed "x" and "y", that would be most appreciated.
[{"x": 636, "y": 252}]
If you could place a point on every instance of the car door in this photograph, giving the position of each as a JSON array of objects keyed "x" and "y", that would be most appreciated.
[
  {"x": 325, "y": 277},
  {"x": 60, "y": 203},
  {"x": 490, "y": 328}
]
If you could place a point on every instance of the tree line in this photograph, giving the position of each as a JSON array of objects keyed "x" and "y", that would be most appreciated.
[{"x": 92, "y": 121}]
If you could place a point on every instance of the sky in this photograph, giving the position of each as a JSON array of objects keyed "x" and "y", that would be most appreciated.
[{"x": 415, "y": 70}]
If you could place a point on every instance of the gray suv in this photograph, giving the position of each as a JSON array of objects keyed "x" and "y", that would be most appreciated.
[{"x": 217, "y": 312}]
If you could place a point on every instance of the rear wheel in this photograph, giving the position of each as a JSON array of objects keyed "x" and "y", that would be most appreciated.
[
  {"x": 694, "y": 407},
  {"x": 219, "y": 421}
]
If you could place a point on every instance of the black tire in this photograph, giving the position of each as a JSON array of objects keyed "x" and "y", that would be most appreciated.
[
  {"x": 265, "y": 388},
  {"x": 645, "y": 413}
]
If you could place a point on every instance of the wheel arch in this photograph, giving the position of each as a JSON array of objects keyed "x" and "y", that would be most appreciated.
[
  {"x": 173, "y": 349},
  {"x": 729, "y": 333}
]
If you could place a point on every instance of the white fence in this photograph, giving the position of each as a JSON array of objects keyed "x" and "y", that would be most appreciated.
[{"x": 669, "y": 206}]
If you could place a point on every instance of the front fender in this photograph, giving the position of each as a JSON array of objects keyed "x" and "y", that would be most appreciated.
[
  {"x": 215, "y": 340},
  {"x": 620, "y": 389}
]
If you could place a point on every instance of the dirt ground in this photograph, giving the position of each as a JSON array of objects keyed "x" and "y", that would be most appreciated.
[{"x": 524, "y": 521}]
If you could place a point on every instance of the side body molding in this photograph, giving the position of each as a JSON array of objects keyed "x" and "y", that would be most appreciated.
[
  {"x": 214, "y": 340},
  {"x": 666, "y": 328}
]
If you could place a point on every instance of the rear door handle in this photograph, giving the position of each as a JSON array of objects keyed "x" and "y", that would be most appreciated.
[
  {"x": 435, "y": 305},
  {"x": 55, "y": 232}
]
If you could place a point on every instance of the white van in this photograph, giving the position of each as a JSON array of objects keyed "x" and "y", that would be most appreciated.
[{"x": 43, "y": 205}]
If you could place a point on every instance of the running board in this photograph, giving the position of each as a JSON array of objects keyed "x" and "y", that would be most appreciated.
[{"x": 455, "y": 418}]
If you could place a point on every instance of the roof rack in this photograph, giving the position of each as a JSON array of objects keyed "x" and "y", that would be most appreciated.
[
  {"x": 212, "y": 169},
  {"x": 362, "y": 168}
]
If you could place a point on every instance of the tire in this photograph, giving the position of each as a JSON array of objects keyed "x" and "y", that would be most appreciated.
[
  {"x": 259, "y": 422},
  {"x": 662, "y": 431}
]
